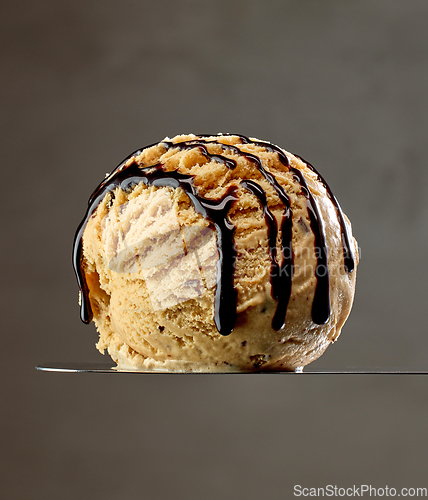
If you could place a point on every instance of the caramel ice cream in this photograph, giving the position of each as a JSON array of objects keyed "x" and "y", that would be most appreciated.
[{"x": 215, "y": 253}]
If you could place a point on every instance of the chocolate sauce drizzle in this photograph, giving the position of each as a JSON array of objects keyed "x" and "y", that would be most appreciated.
[
  {"x": 213, "y": 210},
  {"x": 321, "y": 300},
  {"x": 282, "y": 292},
  {"x": 216, "y": 212},
  {"x": 348, "y": 257},
  {"x": 280, "y": 275}
]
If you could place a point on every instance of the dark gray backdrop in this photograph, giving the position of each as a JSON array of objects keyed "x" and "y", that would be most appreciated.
[{"x": 341, "y": 83}]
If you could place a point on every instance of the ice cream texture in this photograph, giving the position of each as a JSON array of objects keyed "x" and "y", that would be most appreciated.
[{"x": 215, "y": 253}]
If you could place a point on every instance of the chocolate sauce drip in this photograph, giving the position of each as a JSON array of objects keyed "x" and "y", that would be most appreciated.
[
  {"x": 213, "y": 210},
  {"x": 280, "y": 275},
  {"x": 348, "y": 257},
  {"x": 321, "y": 301},
  {"x": 286, "y": 268},
  {"x": 216, "y": 211},
  {"x": 272, "y": 231}
]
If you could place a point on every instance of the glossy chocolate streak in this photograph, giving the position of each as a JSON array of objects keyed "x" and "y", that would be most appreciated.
[
  {"x": 281, "y": 291},
  {"x": 348, "y": 257},
  {"x": 216, "y": 211},
  {"x": 272, "y": 231},
  {"x": 349, "y": 260},
  {"x": 280, "y": 275},
  {"x": 321, "y": 301},
  {"x": 213, "y": 210}
]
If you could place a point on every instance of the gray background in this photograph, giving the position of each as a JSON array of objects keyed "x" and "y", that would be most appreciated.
[{"x": 342, "y": 83}]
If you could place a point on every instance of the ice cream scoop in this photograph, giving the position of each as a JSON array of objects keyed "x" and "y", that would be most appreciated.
[{"x": 215, "y": 253}]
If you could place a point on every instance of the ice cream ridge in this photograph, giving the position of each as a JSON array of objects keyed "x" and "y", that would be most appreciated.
[{"x": 215, "y": 253}]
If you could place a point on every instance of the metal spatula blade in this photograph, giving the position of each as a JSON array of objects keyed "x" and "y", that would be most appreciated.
[{"x": 109, "y": 368}]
